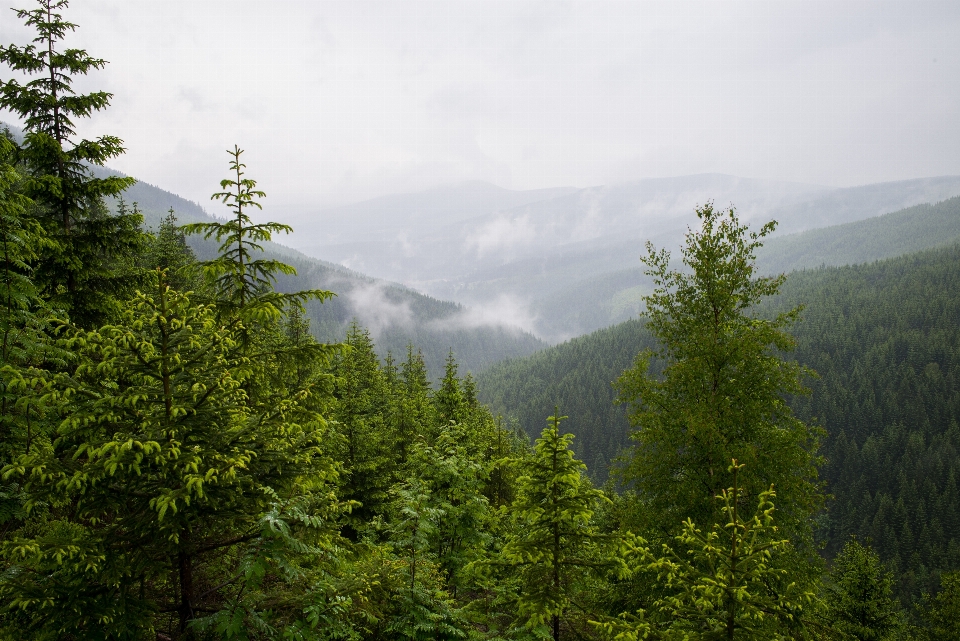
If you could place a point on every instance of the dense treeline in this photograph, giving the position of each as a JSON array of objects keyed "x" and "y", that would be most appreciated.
[
  {"x": 882, "y": 338},
  {"x": 576, "y": 376},
  {"x": 182, "y": 459}
]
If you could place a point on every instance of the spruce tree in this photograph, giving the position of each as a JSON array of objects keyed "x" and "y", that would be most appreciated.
[
  {"x": 163, "y": 489},
  {"x": 243, "y": 283},
  {"x": 365, "y": 447},
  {"x": 554, "y": 544},
  {"x": 88, "y": 267}
]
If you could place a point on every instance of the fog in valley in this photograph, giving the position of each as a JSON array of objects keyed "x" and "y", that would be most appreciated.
[{"x": 514, "y": 157}]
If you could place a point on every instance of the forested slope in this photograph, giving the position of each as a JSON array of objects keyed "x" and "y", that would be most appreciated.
[
  {"x": 885, "y": 340},
  {"x": 397, "y": 315},
  {"x": 902, "y": 232},
  {"x": 614, "y": 297}
]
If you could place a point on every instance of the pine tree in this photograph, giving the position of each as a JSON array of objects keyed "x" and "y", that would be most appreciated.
[
  {"x": 88, "y": 268},
  {"x": 425, "y": 611},
  {"x": 449, "y": 399},
  {"x": 25, "y": 341}
]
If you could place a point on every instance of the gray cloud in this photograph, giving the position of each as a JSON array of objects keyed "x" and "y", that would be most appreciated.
[
  {"x": 338, "y": 101},
  {"x": 370, "y": 304}
]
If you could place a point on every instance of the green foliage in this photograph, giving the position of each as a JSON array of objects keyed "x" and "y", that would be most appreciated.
[
  {"x": 243, "y": 285},
  {"x": 553, "y": 545},
  {"x": 156, "y": 464},
  {"x": 728, "y": 583},
  {"x": 881, "y": 337},
  {"x": 88, "y": 267},
  {"x": 722, "y": 394},
  {"x": 578, "y": 372},
  {"x": 366, "y": 445},
  {"x": 942, "y": 611},
  {"x": 424, "y": 612},
  {"x": 168, "y": 251},
  {"x": 858, "y": 601}
]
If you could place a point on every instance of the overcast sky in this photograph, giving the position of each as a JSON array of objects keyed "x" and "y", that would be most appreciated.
[{"x": 337, "y": 101}]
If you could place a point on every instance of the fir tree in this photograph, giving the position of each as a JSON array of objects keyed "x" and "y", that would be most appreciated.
[
  {"x": 242, "y": 283},
  {"x": 554, "y": 543},
  {"x": 88, "y": 267}
]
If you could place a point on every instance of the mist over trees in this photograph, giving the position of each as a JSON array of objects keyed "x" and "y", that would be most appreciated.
[{"x": 182, "y": 458}]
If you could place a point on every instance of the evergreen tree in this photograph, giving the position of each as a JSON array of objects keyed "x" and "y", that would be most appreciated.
[
  {"x": 859, "y": 601},
  {"x": 89, "y": 267},
  {"x": 554, "y": 544},
  {"x": 723, "y": 391},
  {"x": 449, "y": 400},
  {"x": 727, "y": 583},
  {"x": 24, "y": 337},
  {"x": 168, "y": 251},
  {"x": 414, "y": 414},
  {"x": 162, "y": 490},
  {"x": 243, "y": 284},
  {"x": 425, "y": 610},
  {"x": 365, "y": 447},
  {"x": 943, "y": 611}
]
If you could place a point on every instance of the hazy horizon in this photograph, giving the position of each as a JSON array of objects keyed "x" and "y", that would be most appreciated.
[{"x": 338, "y": 102}]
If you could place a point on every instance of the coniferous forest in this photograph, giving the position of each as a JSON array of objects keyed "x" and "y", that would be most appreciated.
[{"x": 182, "y": 458}]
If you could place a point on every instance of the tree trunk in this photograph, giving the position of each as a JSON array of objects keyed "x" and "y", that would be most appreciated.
[{"x": 185, "y": 609}]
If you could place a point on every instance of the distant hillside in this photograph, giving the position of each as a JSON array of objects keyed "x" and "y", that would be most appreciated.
[
  {"x": 606, "y": 299},
  {"x": 884, "y": 338},
  {"x": 578, "y": 373},
  {"x": 545, "y": 254},
  {"x": 396, "y": 315},
  {"x": 910, "y": 230}
]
